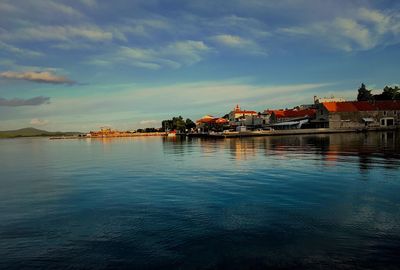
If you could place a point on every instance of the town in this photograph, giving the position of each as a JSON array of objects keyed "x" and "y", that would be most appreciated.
[{"x": 323, "y": 115}]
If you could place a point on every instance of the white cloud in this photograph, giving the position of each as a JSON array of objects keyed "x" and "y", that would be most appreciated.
[
  {"x": 59, "y": 33},
  {"x": 231, "y": 40},
  {"x": 365, "y": 29},
  {"x": 36, "y": 76},
  {"x": 19, "y": 51},
  {"x": 149, "y": 123},
  {"x": 38, "y": 122},
  {"x": 173, "y": 55}
]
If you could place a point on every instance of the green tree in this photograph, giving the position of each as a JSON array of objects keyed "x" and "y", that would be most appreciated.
[
  {"x": 364, "y": 94},
  {"x": 190, "y": 124},
  {"x": 178, "y": 123},
  {"x": 388, "y": 93}
]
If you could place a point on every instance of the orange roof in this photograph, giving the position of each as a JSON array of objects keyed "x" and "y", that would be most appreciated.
[
  {"x": 216, "y": 120},
  {"x": 354, "y": 106},
  {"x": 292, "y": 113},
  {"x": 221, "y": 121}
]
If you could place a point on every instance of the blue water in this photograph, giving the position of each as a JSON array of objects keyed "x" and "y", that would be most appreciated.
[{"x": 295, "y": 202}]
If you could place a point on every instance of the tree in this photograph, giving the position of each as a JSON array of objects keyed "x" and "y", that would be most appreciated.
[
  {"x": 167, "y": 125},
  {"x": 364, "y": 94},
  {"x": 177, "y": 123},
  {"x": 190, "y": 124},
  {"x": 388, "y": 93}
]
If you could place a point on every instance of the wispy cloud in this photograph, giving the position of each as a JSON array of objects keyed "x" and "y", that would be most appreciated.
[
  {"x": 38, "y": 122},
  {"x": 19, "y": 51},
  {"x": 365, "y": 29},
  {"x": 59, "y": 33},
  {"x": 37, "y": 76},
  {"x": 16, "y": 102},
  {"x": 240, "y": 44},
  {"x": 149, "y": 123},
  {"x": 231, "y": 40},
  {"x": 173, "y": 55}
]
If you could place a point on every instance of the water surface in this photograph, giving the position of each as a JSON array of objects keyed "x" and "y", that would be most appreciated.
[{"x": 311, "y": 202}]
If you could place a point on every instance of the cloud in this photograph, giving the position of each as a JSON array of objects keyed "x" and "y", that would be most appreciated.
[
  {"x": 59, "y": 33},
  {"x": 39, "y": 122},
  {"x": 149, "y": 122},
  {"x": 365, "y": 29},
  {"x": 173, "y": 55},
  {"x": 16, "y": 102},
  {"x": 230, "y": 40},
  {"x": 36, "y": 76},
  {"x": 19, "y": 51}
]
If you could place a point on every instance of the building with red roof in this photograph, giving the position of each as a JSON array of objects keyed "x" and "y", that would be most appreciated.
[
  {"x": 210, "y": 122},
  {"x": 237, "y": 113},
  {"x": 359, "y": 114},
  {"x": 290, "y": 115}
]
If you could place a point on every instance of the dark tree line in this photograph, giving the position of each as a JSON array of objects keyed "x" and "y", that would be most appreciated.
[
  {"x": 177, "y": 123},
  {"x": 388, "y": 93}
]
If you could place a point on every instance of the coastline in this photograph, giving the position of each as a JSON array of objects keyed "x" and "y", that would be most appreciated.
[{"x": 240, "y": 134}]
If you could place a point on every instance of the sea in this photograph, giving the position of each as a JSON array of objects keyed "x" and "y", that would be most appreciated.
[{"x": 328, "y": 201}]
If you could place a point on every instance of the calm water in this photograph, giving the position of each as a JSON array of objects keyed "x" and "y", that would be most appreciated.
[{"x": 311, "y": 202}]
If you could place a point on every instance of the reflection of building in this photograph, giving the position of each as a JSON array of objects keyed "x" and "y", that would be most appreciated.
[{"x": 359, "y": 114}]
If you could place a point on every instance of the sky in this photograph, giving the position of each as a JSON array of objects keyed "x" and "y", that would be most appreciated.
[{"x": 79, "y": 65}]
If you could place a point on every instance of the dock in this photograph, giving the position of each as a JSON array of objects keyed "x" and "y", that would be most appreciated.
[{"x": 242, "y": 134}]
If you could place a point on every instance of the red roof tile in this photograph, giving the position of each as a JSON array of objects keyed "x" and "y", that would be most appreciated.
[
  {"x": 292, "y": 113},
  {"x": 388, "y": 105},
  {"x": 354, "y": 106}
]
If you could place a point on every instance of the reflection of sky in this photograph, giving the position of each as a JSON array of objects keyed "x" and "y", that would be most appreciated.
[{"x": 160, "y": 197}]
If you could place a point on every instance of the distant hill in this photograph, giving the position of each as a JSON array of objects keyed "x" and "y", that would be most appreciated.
[{"x": 33, "y": 132}]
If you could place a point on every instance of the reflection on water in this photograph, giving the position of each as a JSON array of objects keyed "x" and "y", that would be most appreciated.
[
  {"x": 328, "y": 147},
  {"x": 309, "y": 202}
]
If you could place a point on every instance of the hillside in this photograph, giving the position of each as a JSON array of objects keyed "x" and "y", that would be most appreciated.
[{"x": 33, "y": 132}]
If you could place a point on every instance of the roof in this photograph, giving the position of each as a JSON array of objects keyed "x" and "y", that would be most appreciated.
[
  {"x": 293, "y": 113},
  {"x": 244, "y": 111},
  {"x": 388, "y": 105},
  {"x": 221, "y": 121},
  {"x": 211, "y": 119},
  {"x": 354, "y": 106},
  {"x": 237, "y": 109}
]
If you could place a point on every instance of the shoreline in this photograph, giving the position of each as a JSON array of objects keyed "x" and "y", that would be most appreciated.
[
  {"x": 238, "y": 134},
  {"x": 242, "y": 134}
]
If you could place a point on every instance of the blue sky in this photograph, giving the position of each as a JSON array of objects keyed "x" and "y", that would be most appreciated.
[{"x": 79, "y": 65}]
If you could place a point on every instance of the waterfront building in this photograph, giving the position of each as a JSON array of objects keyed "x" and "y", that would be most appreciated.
[
  {"x": 248, "y": 118},
  {"x": 290, "y": 115},
  {"x": 209, "y": 122},
  {"x": 237, "y": 113},
  {"x": 358, "y": 114},
  {"x": 290, "y": 118}
]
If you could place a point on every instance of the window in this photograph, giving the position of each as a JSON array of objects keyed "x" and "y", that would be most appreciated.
[
  {"x": 382, "y": 122},
  {"x": 384, "y": 113},
  {"x": 389, "y": 122}
]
